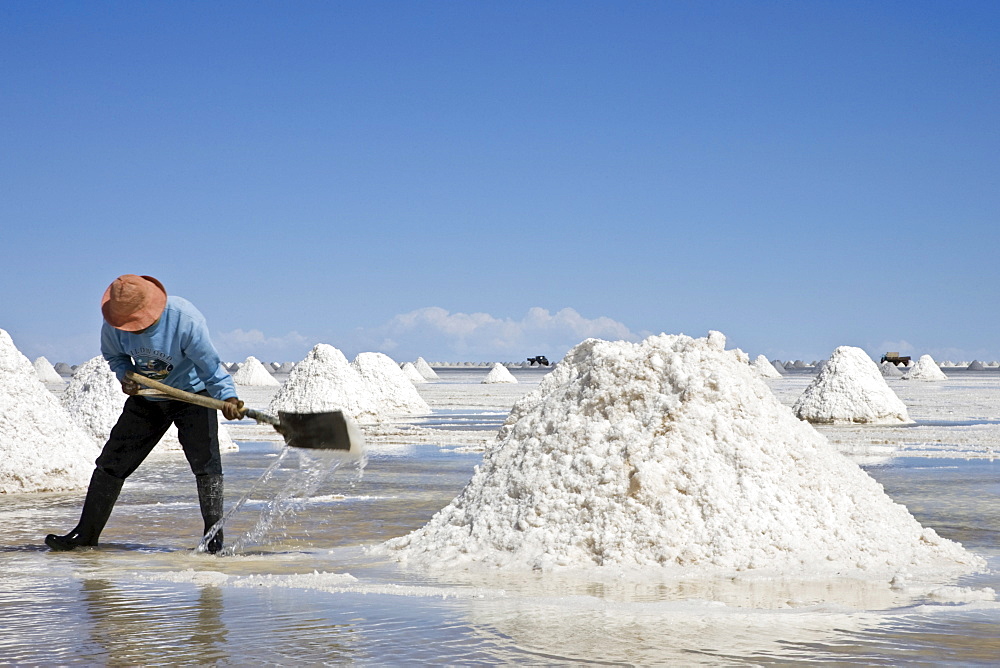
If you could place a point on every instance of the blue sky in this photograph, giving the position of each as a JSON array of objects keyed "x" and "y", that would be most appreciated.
[{"x": 489, "y": 181}]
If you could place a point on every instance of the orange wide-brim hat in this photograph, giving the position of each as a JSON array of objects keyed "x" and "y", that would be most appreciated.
[{"x": 132, "y": 302}]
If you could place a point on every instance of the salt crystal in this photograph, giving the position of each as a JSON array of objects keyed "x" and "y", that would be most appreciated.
[
  {"x": 41, "y": 447},
  {"x": 672, "y": 453},
  {"x": 850, "y": 388}
]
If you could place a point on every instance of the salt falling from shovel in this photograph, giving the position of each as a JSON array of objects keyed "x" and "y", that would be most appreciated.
[{"x": 315, "y": 467}]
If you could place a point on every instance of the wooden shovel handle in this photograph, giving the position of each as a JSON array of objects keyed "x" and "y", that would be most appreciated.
[{"x": 189, "y": 397}]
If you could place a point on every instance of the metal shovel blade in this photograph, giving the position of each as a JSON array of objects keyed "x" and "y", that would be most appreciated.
[{"x": 319, "y": 431}]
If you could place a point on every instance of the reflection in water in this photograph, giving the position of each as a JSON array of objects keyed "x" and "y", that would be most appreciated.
[{"x": 143, "y": 625}]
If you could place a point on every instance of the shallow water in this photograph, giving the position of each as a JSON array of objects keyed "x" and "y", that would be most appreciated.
[{"x": 309, "y": 593}]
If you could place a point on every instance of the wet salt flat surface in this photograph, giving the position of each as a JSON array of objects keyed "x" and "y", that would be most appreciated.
[{"x": 309, "y": 593}]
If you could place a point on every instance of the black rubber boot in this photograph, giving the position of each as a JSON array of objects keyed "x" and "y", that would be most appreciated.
[
  {"x": 101, "y": 497},
  {"x": 210, "y": 496}
]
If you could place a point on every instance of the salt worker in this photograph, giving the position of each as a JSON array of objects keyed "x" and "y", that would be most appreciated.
[{"x": 165, "y": 338}]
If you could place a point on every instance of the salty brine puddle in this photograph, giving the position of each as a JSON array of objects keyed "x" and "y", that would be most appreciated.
[{"x": 310, "y": 594}]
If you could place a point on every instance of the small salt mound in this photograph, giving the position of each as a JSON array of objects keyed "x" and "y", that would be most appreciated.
[
  {"x": 890, "y": 370},
  {"x": 412, "y": 374},
  {"x": 778, "y": 367},
  {"x": 41, "y": 448},
  {"x": 672, "y": 453},
  {"x": 253, "y": 374},
  {"x": 425, "y": 369},
  {"x": 286, "y": 367},
  {"x": 46, "y": 372},
  {"x": 94, "y": 398},
  {"x": 925, "y": 369},
  {"x": 392, "y": 390},
  {"x": 63, "y": 369},
  {"x": 976, "y": 365},
  {"x": 324, "y": 381},
  {"x": 499, "y": 374},
  {"x": 850, "y": 388},
  {"x": 764, "y": 368}
]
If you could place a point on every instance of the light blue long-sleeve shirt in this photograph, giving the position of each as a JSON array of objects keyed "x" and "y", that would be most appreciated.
[{"x": 176, "y": 350}]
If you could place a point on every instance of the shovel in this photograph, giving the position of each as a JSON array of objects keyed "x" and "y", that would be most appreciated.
[{"x": 317, "y": 431}]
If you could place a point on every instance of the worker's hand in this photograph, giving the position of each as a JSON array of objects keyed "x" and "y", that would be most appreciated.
[
  {"x": 130, "y": 387},
  {"x": 231, "y": 409}
]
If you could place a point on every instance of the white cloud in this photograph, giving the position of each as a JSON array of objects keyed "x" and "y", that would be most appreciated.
[
  {"x": 236, "y": 345},
  {"x": 435, "y": 333}
]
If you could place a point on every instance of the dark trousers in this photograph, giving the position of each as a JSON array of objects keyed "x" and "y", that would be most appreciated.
[{"x": 143, "y": 423}]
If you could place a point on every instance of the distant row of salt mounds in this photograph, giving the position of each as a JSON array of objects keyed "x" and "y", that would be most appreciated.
[
  {"x": 499, "y": 374},
  {"x": 672, "y": 453},
  {"x": 41, "y": 448},
  {"x": 253, "y": 374},
  {"x": 850, "y": 388},
  {"x": 366, "y": 389}
]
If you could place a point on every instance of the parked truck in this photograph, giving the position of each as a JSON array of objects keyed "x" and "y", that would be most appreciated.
[
  {"x": 895, "y": 358},
  {"x": 541, "y": 360}
]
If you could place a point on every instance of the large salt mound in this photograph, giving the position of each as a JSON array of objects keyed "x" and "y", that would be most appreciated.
[
  {"x": 976, "y": 365},
  {"x": 41, "y": 448},
  {"x": 324, "y": 381},
  {"x": 850, "y": 388},
  {"x": 94, "y": 399},
  {"x": 46, "y": 372},
  {"x": 412, "y": 374},
  {"x": 425, "y": 369},
  {"x": 392, "y": 390},
  {"x": 672, "y": 453},
  {"x": 499, "y": 374},
  {"x": 253, "y": 374},
  {"x": 925, "y": 369},
  {"x": 764, "y": 368}
]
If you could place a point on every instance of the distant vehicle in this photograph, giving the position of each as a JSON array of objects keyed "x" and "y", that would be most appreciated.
[
  {"x": 541, "y": 360},
  {"x": 895, "y": 358}
]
